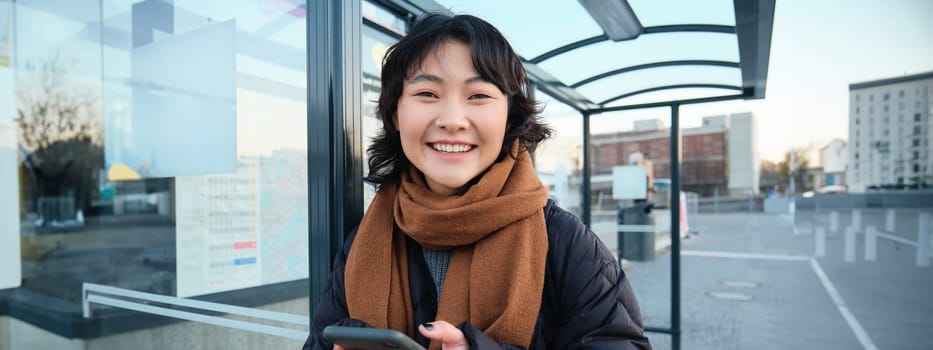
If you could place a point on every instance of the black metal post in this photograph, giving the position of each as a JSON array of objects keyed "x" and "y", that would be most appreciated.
[
  {"x": 585, "y": 188},
  {"x": 675, "y": 226},
  {"x": 334, "y": 116},
  {"x": 351, "y": 46}
]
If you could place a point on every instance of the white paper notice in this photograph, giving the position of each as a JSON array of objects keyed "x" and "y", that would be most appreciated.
[
  {"x": 218, "y": 231},
  {"x": 629, "y": 182}
]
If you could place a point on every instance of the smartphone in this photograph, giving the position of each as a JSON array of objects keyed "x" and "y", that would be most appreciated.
[{"x": 354, "y": 338}]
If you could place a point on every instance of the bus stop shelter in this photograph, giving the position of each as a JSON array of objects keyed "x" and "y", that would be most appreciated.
[{"x": 637, "y": 55}]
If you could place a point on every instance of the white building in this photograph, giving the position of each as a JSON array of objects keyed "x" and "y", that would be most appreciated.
[
  {"x": 890, "y": 132},
  {"x": 833, "y": 159},
  {"x": 744, "y": 167}
]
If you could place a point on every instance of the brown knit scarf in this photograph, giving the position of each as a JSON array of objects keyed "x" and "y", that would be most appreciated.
[{"x": 497, "y": 234}]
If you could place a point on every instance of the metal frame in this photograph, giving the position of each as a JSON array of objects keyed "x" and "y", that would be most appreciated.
[
  {"x": 675, "y": 226},
  {"x": 569, "y": 47},
  {"x": 671, "y": 87},
  {"x": 710, "y": 63},
  {"x": 708, "y": 28},
  {"x": 741, "y": 96},
  {"x": 587, "y": 201},
  {"x": 674, "y": 330},
  {"x": 552, "y": 86},
  {"x": 335, "y": 192},
  {"x": 569, "y": 95},
  {"x": 753, "y": 22}
]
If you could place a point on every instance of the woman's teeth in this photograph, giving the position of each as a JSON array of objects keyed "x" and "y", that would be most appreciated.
[{"x": 451, "y": 148}]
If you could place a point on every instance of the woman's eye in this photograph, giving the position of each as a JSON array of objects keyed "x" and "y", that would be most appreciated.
[
  {"x": 426, "y": 94},
  {"x": 479, "y": 96}
]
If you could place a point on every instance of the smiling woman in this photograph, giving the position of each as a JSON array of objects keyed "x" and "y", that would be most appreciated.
[
  {"x": 451, "y": 121},
  {"x": 461, "y": 247}
]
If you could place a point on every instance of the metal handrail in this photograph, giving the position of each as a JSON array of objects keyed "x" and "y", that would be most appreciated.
[
  {"x": 635, "y": 228},
  {"x": 142, "y": 302}
]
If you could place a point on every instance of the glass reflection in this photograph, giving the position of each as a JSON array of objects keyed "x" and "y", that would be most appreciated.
[
  {"x": 559, "y": 160},
  {"x": 163, "y": 146},
  {"x": 375, "y": 44}
]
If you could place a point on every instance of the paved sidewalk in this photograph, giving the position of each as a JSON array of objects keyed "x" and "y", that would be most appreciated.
[{"x": 750, "y": 281}]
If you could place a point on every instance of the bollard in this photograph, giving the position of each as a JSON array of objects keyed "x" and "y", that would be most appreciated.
[
  {"x": 716, "y": 200},
  {"x": 834, "y": 221},
  {"x": 820, "y": 241},
  {"x": 857, "y": 220},
  {"x": 871, "y": 243},
  {"x": 850, "y": 244},
  {"x": 923, "y": 240},
  {"x": 889, "y": 218}
]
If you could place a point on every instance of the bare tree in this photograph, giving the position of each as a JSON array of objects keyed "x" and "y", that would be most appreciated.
[
  {"x": 769, "y": 175},
  {"x": 793, "y": 167},
  {"x": 59, "y": 126},
  {"x": 51, "y": 107}
]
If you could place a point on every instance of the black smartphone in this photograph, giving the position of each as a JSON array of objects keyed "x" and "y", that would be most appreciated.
[{"x": 354, "y": 338}]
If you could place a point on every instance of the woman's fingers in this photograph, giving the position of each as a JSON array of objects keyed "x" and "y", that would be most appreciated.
[{"x": 449, "y": 336}]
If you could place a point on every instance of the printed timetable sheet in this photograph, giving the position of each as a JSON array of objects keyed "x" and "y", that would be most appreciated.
[{"x": 218, "y": 231}]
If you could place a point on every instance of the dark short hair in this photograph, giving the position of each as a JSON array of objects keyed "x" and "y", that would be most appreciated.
[{"x": 494, "y": 60}]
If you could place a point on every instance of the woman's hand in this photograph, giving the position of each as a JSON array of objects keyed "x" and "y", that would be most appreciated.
[{"x": 449, "y": 336}]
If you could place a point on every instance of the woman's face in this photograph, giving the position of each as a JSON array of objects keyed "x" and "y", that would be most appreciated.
[{"x": 451, "y": 121}]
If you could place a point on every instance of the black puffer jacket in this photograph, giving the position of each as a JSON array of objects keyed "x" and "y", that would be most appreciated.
[{"x": 587, "y": 302}]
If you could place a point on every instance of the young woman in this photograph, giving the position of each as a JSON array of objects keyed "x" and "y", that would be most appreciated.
[{"x": 461, "y": 247}]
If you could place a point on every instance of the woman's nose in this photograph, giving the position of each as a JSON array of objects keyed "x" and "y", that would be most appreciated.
[{"x": 453, "y": 117}]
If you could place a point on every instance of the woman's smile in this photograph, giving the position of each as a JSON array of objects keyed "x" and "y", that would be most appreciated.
[{"x": 451, "y": 148}]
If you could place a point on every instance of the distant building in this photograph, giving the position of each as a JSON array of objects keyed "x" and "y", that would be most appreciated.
[
  {"x": 890, "y": 131},
  {"x": 705, "y": 157},
  {"x": 832, "y": 160},
  {"x": 744, "y": 167}
]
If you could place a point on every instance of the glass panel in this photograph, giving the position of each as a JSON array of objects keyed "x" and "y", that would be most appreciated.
[
  {"x": 607, "y": 56},
  {"x": 560, "y": 22},
  {"x": 635, "y": 143},
  {"x": 631, "y": 82},
  {"x": 163, "y": 149},
  {"x": 559, "y": 160},
  {"x": 656, "y": 13},
  {"x": 194, "y": 335},
  {"x": 679, "y": 94},
  {"x": 375, "y": 44},
  {"x": 383, "y": 17},
  {"x": 552, "y": 22},
  {"x": 60, "y": 134},
  {"x": 10, "y": 263}
]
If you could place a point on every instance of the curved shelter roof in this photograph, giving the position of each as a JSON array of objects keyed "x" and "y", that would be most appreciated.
[{"x": 678, "y": 51}]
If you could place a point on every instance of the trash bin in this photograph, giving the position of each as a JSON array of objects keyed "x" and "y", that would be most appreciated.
[{"x": 635, "y": 244}]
